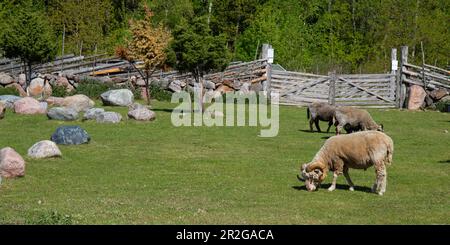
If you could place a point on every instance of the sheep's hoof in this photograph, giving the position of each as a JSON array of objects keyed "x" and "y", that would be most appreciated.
[
  {"x": 351, "y": 188},
  {"x": 380, "y": 193},
  {"x": 331, "y": 188}
]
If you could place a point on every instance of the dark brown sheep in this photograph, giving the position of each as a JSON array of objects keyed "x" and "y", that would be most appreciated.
[{"x": 320, "y": 111}]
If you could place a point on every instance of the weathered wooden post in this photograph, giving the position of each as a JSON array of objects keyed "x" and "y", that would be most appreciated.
[
  {"x": 332, "y": 88},
  {"x": 268, "y": 81},
  {"x": 268, "y": 54},
  {"x": 395, "y": 79},
  {"x": 402, "y": 76}
]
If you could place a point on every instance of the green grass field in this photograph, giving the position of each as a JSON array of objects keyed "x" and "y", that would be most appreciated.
[{"x": 154, "y": 173}]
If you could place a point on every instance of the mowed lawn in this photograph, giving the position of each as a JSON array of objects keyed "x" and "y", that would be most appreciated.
[{"x": 154, "y": 173}]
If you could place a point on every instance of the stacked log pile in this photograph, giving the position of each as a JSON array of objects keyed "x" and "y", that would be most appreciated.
[{"x": 245, "y": 77}]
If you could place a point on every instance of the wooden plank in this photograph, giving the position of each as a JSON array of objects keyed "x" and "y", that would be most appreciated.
[
  {"x": 291, "y": 73},
  {"x": 299, "y": 88},
  {"x": 367, "y": 91},
  {"x": 438, "y": 69}
]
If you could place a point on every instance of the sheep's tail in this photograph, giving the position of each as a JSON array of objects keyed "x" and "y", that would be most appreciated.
[
  {"x": 389, "y": 154},
  {"x": 307, "y": 112}
]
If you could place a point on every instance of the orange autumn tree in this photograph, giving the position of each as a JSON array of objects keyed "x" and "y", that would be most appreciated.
[{"x": 148, "y": 44}]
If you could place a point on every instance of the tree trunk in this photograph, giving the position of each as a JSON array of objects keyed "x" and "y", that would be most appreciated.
[
  {"x": 201, "y": 94},
  {"x": 29, "y": 74},
  {"x": 147, "y": 87}
]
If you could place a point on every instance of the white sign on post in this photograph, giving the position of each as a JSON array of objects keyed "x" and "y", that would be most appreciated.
[
  {"x": 394, "y": 65},
  {"x": 270, "y": 55}
]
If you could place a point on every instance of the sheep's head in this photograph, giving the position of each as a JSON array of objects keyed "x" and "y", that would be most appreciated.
[
  {"x": 312, "y": 178},
  {"x": 380, "y": 127}
]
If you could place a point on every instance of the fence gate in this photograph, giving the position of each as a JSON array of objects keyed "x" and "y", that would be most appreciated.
[
  {"x": 368, "y": 90},
  {"x": 295, "y": 88}
]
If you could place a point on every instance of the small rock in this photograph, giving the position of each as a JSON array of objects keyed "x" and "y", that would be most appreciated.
[
  {"x": 29, "y": 106},
  {"x": 175, "y": 86},
  {"x": 36, "y": 86},
  {"x": 8, "y": 100},
  {"x": 70, "y": 135},
  {"x": 5, "y": 79},
  {"x": 79, "y": 102},
  {"x": 209, "y": 85},
  {"x": 22, "y": 79},
  {"x": 44, "y": 149},
  {"x": 117, "y": 97},
  {"x": 55, "y": 101},
  {"x": 140, "y": 82},
  {"x": 11, "y": 163},
  {"x": 224, "y": 89},
  {"x": 257, "y": 87},
  {"x": 63, "y": 114},
  {"x": 109, "y": 117},
  {"x": 438, "y": 94},
  {"x": 141, "y": 113},
  {"x": 446, "y": 131},
  {"x": 63, "y": 82},
  {"x": 93, "y": 113},
  {"x": 2, "y": 110}
]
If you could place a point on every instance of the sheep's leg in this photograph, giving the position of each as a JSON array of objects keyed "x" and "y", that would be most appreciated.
[
  {"x": 316, "y": 122},
  {"x": 330, "y": 123},
  {"x": 384, "y": 183},
  {"x": 349, "y": 181},
  {"x": 333, "y": 183},
  {"x": 380, "y": 180},
  {"x": 338, "y": 129},
  {"x": 311, "y": 121}
]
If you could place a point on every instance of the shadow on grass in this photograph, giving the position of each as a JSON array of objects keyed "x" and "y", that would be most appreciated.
[
  {"x": 444, "y": 161},
  {"x": 164, "y": 110},
  {"x": 309, "y": 131},
  {"x": 338, "y": 187}
]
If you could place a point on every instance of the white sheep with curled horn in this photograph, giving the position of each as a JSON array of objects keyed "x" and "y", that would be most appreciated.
[{"x": 339, "y": 153}]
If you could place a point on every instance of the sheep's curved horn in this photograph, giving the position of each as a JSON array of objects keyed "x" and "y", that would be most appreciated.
[
  {"x": 317, "y": 165},
  {"x": 300, "y": 178}
]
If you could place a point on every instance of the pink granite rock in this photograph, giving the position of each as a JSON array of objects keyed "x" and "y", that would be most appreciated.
[
  {"x": 29, "y": 106},
  {"x": 11, "y": 163},
  {"x": 416, "y": 97}
]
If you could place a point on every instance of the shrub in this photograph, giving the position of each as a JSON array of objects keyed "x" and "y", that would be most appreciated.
[
  {"x": 92, "y": 89},
  {"x": 159, "y": 93},
  {"x": 443, "y": 105},
  {"x": 9, "y": 91},
  {"x": 60, "y": 91}
]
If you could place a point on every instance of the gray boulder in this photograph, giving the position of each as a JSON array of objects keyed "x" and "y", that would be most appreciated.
[
  {"x": 175, "y": 86},
  {"x": 70, "y": 135},
  {"x": 93, "y": 113},
  {"x": 9, "y": 100},
  {"x": 141, "y": 113},
  {"x": 5, "y": 79},
  {"x": 109, "y": 117},
  {"x": 44, "y": 149},
  {"x": 63, "y": 114},
  {"x": 117, "y": 97}
]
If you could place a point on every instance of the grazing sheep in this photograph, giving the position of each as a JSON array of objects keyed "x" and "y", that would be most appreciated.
[
  {"x": 320, "y": 111},
  {"x": 354, "y": 119},
  {"x": 360, "y": 150}
]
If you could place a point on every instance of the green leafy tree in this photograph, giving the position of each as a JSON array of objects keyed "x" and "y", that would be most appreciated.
[
  {"x": 29, "y": 37},
  {"x": 198, "y": 51}
]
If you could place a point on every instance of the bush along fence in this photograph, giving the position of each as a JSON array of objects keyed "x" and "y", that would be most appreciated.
[{"x": 406, "y": 86}]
